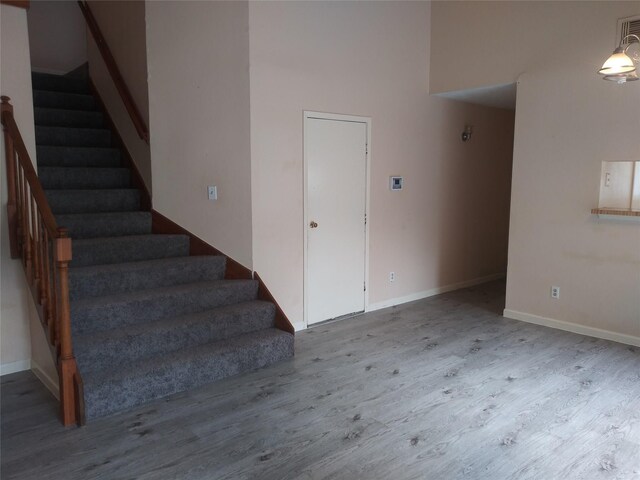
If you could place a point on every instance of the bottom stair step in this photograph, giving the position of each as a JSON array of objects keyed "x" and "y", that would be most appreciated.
[{"x": 110, "y": 391}]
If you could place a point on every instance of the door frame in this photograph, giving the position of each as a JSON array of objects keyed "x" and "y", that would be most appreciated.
[{"x": 308, "y": 114}]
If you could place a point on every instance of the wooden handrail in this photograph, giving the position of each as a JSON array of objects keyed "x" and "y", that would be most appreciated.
[
  {"x": 45, "y": 250},
  {"x": 17, "y": 3},
  {"x": 114, "y": 71}
]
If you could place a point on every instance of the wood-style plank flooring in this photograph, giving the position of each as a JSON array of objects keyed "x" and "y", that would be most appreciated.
[{"x": 444, "y": 388}]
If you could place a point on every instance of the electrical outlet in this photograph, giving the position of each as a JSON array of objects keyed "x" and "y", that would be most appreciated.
[
  {"x": 607, "y": 179},
  {"x": 392, "y": 276},
  {"x": 212, "y": 192},
  {"x": 555, "y": 292}
]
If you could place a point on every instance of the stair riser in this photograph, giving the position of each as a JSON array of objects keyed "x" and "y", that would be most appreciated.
[
  {"x": 126, "y": 223},
  {"x": 96, "y": 252},
  {"x": 93, "y": 201},
  {"x": 67, "y": 101},
  {"x": 73, "y": 137},
  {"x": 114, "y": 395},
  {"x": 87, "y": 319},
  {"x": 89, "y": 283},
  {"x": 68, "y": 118},
  {"x": 53, "y": 178},
  {"x": 77, "y": 157},
  {"x": 203, "y": 328},
  {"x": 55, "y": 83}
]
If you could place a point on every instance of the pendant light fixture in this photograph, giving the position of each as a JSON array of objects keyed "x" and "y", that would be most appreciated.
[{"x": 620, "y": 67}]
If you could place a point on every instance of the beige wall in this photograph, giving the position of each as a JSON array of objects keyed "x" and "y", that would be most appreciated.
[
  {"x": 124, "y": 27},
  {"x": 476, "y": 44},
  {"x": 568, "y": 121},
  {"x": 15, "y": 82},
  {"x": 198, "y": 60},
  {"x": 57, "y": 36},
  {"x": 449, "y": 225}
]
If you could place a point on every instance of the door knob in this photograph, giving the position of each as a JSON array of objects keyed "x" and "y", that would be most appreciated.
[{"x": 313, "y": 225}]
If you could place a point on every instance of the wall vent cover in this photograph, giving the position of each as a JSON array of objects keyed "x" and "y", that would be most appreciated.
[{"x": 629, "y": 26}]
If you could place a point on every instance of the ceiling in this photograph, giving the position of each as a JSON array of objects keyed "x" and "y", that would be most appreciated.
[{"x": 498, "y": 96}]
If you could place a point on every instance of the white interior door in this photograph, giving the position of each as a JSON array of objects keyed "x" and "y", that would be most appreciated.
[{"x": 336, "y": 180}]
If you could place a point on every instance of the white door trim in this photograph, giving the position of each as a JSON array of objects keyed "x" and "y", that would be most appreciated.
[{"x": 344, "y": 118}]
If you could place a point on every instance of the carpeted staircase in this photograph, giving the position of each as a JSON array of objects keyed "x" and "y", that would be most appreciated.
[{"x": 147, "y": 319}]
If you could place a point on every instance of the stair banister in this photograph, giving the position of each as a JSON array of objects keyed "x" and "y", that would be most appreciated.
[
  {"x": 45, "y": 250},
  {"x": 114, "y": 71}
]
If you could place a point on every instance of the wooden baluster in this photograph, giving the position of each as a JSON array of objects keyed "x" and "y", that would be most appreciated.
[
  {"x": 46, "y": 273},
  {"x": 35, "y": 247},
  {"x": 54, "y": 325},
  {"x": 12, "y": 200},
  {"x": 26, "y": 224},
  {"x": 20, "y": 212},
  {"x": 41, "y": 264},
  {"x": 26, "y": 229},
  {"x": 67, "y": 368}
]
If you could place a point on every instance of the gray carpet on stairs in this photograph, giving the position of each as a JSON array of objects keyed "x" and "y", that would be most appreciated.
[
  {"x": 109, "y": 224},
  {"x": 100, "y": 280},
  {"x": 128, "y": 248},
  {"x": 68, "y": 118},
  {"x": 98, "y": 314},
  {"x": 56, "y": 178},
  {"x": 57, "y": 156},
  {"x": 119, "y": 347},
  {"x": 173, "y": 372},
  {"x": 93, "y": 201},
  {"x": 73, "y": 137},
  {"x": 148, "y": 320}
]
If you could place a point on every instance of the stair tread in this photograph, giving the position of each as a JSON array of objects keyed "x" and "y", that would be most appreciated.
[
  {"x": 102, "y": 224},
  {"x": 128, "y": 248},
  {"x": 99, "y": 338},
  {"x": 134, "y": 342},
  {"x": 84, "y": 178},
  {"x": 96, "y": 200},
  {"x": 63, "y": 117},
  {"x": 72, "y": 136},
  {"x": 88, "y": 170},
  {"x": 64, "y": 127},
  {"x": 93, "y": 314},
  {"x": 144, "y": 264},
  {"x": 59, "y": 83},
  {"x": 153, "y": 293},
  {"x": 100, "y": 280},
  {"x": 102, "y": 215},
  {"x": 67, "y": 100},
  {"x": 156, "y": 362},
  {"x": 77, "y": 157},
  {"x": 118, "y": 241},
  {"x": 110, "y": 390}
]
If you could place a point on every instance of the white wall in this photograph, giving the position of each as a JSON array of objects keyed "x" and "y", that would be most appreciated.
[
  {"x": 449, "y": 225},
  {"x": 198, "y": 62},
  {"x": 568, "y": 121},
  {"x": 57, "y": 36},
  {"x": 123, "y": 25}
]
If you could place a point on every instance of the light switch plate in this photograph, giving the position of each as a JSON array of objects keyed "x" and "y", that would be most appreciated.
[{"x": 212, "y": 192}]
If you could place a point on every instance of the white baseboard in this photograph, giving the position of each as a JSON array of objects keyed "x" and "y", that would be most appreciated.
[
  {"x": 13, "y": 367},
  {"x": 47, "y": 381},
  {"x": 572, "y": 327},
  {"x": 392, "y": 302}
]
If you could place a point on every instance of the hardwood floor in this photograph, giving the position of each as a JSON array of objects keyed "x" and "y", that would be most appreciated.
[{"x": 443, "y": 388}]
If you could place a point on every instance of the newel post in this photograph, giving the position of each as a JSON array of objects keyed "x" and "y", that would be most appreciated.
[
  {"x": 67, "y": 369},
  {"x": 10, "y": 157}
]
